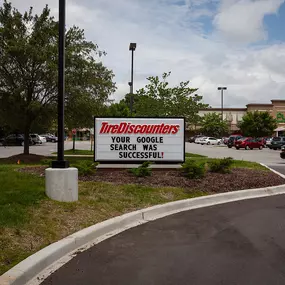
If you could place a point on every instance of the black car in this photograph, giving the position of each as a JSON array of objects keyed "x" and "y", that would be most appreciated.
[
  {"x": 277, "y": 143},
  {"x": 232, "y": 140},
  {"x": 16, "y": 139}
]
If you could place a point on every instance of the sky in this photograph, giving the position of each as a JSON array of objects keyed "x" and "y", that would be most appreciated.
[{"x": 239, "y": 44}]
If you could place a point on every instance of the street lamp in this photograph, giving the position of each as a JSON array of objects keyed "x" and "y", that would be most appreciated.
[
  {"x": 61, "y": 163},
  {"x": 132, "y": 48},
  {"x": 222, "y": 99}
]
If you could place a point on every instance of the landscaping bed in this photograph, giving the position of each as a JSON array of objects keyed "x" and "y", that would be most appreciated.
[{"x": 237, "y": 179}]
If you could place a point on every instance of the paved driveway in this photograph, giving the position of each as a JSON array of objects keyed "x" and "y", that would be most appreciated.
[{"x": 241, "y": 243}]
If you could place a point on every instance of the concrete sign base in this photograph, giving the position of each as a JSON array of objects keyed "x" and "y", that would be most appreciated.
[{"x": 62, "y": 184}]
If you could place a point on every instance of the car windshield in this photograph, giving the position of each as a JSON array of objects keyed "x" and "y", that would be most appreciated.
[
  {"x": 243, "y": 139},
  {"x": 277, "y": 139}
]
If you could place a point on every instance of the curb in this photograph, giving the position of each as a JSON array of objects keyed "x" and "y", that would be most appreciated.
[
  {"x": 274, "y": 171},
  {"x": 37, "y": 264}
]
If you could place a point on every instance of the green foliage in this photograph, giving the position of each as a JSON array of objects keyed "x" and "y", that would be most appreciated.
[
  {"x": 47, "y": 162},
  {"x": 257, "y": 124},
  {"x": 143, "y": 170},
  {"x": 158, "y": 99},
  {"x": 213, "y": 125},
  {"x": 28, "y": 72},
  {"x": 85, "y": 167},
  {"x": 120, "y": 109},
  {"x": 194, "y": 169},
  {"x": 221, "y": 165}
]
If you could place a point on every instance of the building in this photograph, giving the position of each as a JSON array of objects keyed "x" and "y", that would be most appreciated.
[{"x": 234, "y": 115}]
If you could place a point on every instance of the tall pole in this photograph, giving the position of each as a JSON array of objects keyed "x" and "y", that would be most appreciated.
[
  {"x": 222, "y": 100},
  {"x": 132, "y": 83},
  {"x": 222, "y": 103},
  {"x": 61, "y": 163},
  {"x": 132, "y": 48}
]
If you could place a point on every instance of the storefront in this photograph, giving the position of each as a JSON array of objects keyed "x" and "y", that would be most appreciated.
[{"x": 234, "y": 115}]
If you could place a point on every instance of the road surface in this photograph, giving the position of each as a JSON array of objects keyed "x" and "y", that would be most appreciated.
[{"x": 241, "y": 243}]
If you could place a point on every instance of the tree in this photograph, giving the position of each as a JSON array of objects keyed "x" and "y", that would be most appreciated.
[
  {"x": 157, "y": 99},
  {"x": 28, "y": 71},
  {"x": 257, "y": 124},
  {"x": 120, "y": 109},
  {"x": 213, "y": 125}
]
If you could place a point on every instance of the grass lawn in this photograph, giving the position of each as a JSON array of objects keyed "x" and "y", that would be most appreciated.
[{"x": 30, "y": 221}]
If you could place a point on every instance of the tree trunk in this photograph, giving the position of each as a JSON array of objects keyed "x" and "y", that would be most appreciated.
[{"x": 27, "y": 139}]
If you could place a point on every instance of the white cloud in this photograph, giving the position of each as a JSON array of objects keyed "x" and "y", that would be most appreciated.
[
  {"x": 242, "y": 20},
  {"x": 170, "y": 37}
]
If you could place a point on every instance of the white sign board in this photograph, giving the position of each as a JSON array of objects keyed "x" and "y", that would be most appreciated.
[{"x": 139, "y": 139}]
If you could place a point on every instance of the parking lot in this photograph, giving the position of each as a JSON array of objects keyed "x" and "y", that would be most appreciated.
[
  {"x": 266, "y": 156},
  {"x": 43, "y": 149}
]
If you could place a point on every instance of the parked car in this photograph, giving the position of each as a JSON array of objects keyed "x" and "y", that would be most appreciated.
[
  {"x": 232, "y": 140},
  {"x": 277, "y": 143},
  {"x": 225, "y": 140},
  {"x": 192, "y": 139},
  {"x": 198, "y": 140},
  {"x": 268, "y": 142},
  {"x": 36, "y": 139},
  {"x": 43, "y": 139},
  {"x": 249, "y": 143},
  {"x": 16, "y": 139},
  {"x": 50, "y": 138},
  {"x": 210, "y": 140},
  {"x": 282, "y": 153}
]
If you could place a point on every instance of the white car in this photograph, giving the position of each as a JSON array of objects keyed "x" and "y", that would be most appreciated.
[
  {"x": 199, "y": 140},
  {"x": 210, "y": 140},
  {"x": 43, "y": 139}
]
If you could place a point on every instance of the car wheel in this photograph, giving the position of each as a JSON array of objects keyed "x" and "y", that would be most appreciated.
[
  {"x": 251, "y": 148},
  {"x": 261, "y": 147},
  {"x": 229, "y": 146},
  {"x": 275, "y": 148},
  {"x": 208, "y": 143},
  {"x": 247, "y": 148},
  {"x": 219, "y": 143},
  {"x": 237, "y": 148},
  {"x": 53, "y": 141}
]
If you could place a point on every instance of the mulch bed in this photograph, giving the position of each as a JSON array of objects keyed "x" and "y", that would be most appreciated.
[
  {"x": 23, "y": 158},
  {"x": 238, "y": 179}
]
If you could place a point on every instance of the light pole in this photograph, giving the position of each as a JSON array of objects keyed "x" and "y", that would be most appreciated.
[
  {"x": 61, "y": 163},
  {"x": 132, "y": 48},
  {"x": 222, "y": 99}
]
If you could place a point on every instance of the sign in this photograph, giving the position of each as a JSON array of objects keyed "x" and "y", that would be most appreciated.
[
  {"x": 139, "y": 139},
  {"x": 280, "y": 118},
  {"x": 74, "y": 131}
]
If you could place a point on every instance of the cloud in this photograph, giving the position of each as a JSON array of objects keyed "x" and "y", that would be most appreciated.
[
  {"x": 242, "y": 20},
  {"x": 170, "y": 36}
]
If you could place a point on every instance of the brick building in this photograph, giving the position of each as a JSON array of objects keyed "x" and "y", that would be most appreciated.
[{"x": 234, "y": 115}]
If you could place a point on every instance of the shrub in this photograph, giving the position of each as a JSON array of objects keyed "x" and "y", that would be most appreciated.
[
  {"x": 193, "y": 169},
  {"x": 143, "y": 170},
  {"x": 221, "y": 165},
  {"x": 85, "y": 167}
]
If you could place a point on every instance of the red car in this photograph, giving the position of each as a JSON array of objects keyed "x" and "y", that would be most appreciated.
[{"x": 248, "y": 143}]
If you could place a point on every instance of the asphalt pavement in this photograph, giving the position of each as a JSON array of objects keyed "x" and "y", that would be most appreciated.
[{"x": 240, "y": 243}]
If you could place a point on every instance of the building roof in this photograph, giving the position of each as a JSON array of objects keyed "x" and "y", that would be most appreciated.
[{"x": 224, "y": 109}]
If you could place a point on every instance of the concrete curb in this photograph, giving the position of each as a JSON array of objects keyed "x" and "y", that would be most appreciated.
[
  {"x": 36, "y": 264},
  {"x": 276, "y": 172}
]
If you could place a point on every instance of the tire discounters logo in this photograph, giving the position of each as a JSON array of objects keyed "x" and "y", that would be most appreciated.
[{"x": 139, "y": 139}]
